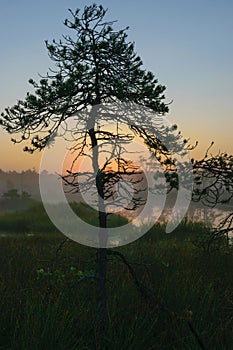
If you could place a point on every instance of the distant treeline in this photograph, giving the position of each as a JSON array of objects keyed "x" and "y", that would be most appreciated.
[
  {"x": 26, "y": 181},
  {"x": 20, "y": 190}
]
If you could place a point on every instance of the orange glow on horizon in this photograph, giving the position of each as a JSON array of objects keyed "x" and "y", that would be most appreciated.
[{"x": 13, "y": 158}]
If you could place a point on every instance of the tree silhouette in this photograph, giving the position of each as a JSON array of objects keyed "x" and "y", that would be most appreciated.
[
  {"x": 93, "y": 66},
  {"x": 212, "y": 187},
  {"x": 11, "y": 194}
]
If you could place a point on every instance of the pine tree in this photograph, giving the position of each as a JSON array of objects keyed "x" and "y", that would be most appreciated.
[{"x": 94, "y": 65}]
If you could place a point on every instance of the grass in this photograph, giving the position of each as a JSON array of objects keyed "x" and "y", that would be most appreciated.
[
  {"x": 34, "y": 220},
  {"x": 43, "y": 307}
]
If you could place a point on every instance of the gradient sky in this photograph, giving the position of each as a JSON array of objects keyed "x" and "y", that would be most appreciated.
[{"x": 187, "y": 44}]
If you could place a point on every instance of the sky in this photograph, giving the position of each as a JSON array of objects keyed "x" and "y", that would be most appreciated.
[{"x": 187, "y": 44}]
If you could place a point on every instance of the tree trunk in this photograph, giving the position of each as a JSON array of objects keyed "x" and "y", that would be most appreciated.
[
  {"x": 101, "y": 294},
  {"x": 101, "y": 254},
  {"x": 101, "y": 288}
]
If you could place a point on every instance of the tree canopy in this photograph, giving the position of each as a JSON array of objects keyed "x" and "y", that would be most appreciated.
[{"x": 94, "y": 64}]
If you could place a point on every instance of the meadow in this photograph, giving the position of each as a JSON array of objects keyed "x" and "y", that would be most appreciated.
[{"x": 178, "y": 296}]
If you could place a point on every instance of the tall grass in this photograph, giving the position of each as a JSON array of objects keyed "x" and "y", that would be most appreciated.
[
  {"x": 47, "y": 295},
  {"x": 46, "y": 303}
]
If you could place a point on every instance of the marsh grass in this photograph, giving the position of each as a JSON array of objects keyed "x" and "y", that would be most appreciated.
[
  {"x": 43, "y": 306},
  {"x": 35, "y": 219}
]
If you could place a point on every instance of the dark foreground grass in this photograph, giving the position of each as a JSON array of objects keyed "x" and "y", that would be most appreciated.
[{"x": 43, "y": 306}]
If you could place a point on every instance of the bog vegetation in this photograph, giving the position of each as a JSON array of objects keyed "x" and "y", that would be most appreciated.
[{"x": 47, "y": 289}]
